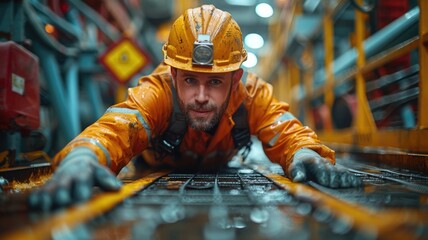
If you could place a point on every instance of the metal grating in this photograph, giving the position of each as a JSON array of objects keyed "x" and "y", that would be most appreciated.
[
  {"x": 234, "y": 203},
  {"x": 240, "y": 203},
  {"x": 240, "y": 187}
]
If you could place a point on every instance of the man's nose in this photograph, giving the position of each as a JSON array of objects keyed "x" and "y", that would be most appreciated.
[{"x": 202, "y": 94}]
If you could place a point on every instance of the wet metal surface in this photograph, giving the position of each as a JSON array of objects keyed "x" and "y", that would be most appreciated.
[
  {"x": 385, "y": 188},
  {"x": 240, "y": 203},
  {"x": 237, "y": 203}
]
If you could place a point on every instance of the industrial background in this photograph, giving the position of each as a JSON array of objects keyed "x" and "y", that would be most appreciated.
[{"x": 352, "y": 70}]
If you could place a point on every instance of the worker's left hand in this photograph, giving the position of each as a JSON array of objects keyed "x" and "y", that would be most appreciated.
[
  {"x": 308, "y": 165},
  {"x": 73, "y": 182}
]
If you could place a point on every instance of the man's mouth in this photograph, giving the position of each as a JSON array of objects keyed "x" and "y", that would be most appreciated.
[{"x": 200, "y": 112}]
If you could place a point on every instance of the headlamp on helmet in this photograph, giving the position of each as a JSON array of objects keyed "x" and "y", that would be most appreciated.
[{"x": 203, "y": 51}]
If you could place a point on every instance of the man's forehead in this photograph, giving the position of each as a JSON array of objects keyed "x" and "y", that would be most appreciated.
[{"x": 203, "y": 74}]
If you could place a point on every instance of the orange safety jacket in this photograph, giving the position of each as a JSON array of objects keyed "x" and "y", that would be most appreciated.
[{"x": 130, "y": 127}]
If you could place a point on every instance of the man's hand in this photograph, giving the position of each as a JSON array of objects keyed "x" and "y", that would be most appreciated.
[
  {"x": 73, "y": 182},
  {"x": 308, "y": 165}
]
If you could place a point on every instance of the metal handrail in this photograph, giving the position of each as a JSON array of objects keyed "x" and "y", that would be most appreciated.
[
  {"x": 56, "y": 20},
  {"x": 371, "y": 47},
  {"x": 377, "y": 41},
  {"x": 65, "y": 91},
  {"x": 371, "y": 64},
  {"x": 94, "y": 17},
  {"x": 37, "y": 24}
]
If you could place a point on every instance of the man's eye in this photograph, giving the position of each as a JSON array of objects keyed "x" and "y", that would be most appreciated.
[
  {"x": 215, "y": 82},
  {"x": 190, "y": 80}
]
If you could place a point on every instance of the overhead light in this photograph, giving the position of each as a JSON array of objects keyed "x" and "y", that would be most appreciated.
[
  {"x": 251, "y": 60},
  {"x": 264, "y": 10},
  {"x": 311, "y": 5},
  {"x": 254, "y": 41},
  {"x": 241, "y": 2}
]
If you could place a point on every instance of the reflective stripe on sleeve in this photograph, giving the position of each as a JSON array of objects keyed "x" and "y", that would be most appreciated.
[
  {"x": 273, "y": 140},
  {"x": 284, "y": 117},
  {"x": 136, "y": 113},
  {"x": 99, "y": 145}
]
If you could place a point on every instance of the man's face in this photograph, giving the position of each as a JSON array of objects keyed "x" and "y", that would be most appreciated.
[{"x": 203, "y": 97}]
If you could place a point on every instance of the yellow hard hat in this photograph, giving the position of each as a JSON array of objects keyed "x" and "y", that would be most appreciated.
[{"x": 205, "y": 39}]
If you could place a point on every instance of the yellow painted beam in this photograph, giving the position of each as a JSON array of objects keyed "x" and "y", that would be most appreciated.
[
  {"x": 374, "y": 63},
  {"x": 411, "y": 141},
  {"x": 384, "y": 224},
  {"x": 423, "y": 63},
  {"x": 328, "y": 59},
  {"x": 364, "y": 122},
  {"x": 72, "y": 216},
  {"x": 391, "y": 54}
]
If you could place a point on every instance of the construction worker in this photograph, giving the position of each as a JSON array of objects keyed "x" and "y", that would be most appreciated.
[{"x": 193, "y": 112}]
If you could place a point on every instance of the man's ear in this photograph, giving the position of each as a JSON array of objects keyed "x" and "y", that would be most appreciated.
[
  {"x": 173, "y": 74},
  {"x": 236, "y": 78}
]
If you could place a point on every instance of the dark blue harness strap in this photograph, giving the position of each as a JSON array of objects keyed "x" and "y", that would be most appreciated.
[{"x": 171, "y": 139}]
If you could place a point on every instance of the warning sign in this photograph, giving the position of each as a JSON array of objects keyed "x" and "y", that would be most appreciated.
[{"x": 124, "y": 59}]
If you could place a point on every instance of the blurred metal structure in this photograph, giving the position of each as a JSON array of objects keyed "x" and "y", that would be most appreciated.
[
  {"x": 358, "y": 77},
  {"x": 67, "y": 37}
]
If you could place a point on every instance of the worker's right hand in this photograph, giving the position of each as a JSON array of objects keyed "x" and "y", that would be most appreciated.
[
  {"x": 308, "y": 165},
  {"x": 73, "y": 182}
]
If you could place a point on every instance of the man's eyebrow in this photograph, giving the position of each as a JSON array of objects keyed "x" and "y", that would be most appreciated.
[
  {"x": 217, "y": 76},
  {"x": 209, "y": 77},
  {"x": 189, "y": 75}
]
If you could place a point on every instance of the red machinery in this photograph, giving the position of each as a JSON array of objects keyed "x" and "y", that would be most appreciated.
[{"x": 19, "y": 88}]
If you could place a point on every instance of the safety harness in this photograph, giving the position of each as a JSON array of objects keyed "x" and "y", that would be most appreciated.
[{"x": 171, "y": 139}]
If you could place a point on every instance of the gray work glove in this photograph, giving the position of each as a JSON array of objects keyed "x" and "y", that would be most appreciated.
[
  {"x": 309, "y": 165},
  {"x": 73, "y": 182}
]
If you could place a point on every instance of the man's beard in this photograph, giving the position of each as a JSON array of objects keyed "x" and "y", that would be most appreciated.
[{"x": 201, "y": 123}]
